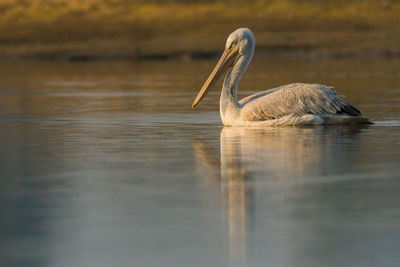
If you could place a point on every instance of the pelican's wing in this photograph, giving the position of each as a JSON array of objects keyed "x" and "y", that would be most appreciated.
[
  {"x": 249, "y": 98},
  {"x": 296, "y": 99}
]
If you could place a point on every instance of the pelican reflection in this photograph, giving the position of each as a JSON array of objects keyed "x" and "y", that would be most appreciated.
[
  {"x": 227, "y": 173},
  {"x": 252, "y": 156}
]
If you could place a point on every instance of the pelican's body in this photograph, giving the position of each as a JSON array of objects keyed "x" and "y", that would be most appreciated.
[{"x": 292, "y": 104}]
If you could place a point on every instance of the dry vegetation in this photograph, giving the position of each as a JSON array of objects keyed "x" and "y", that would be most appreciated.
[{"x": 148, "y": 29}]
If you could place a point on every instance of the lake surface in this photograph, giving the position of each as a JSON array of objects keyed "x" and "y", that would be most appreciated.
[{"x": 106, "y": 164}]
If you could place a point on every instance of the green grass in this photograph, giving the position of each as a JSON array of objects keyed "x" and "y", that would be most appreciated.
[{"x": 140, "y": 29}]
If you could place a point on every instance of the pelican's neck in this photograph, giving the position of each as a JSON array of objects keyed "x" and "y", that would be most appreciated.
[{"x": 229, "y": 105}]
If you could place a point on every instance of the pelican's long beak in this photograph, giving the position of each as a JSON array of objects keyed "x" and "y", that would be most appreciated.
[{"x": 226, "y": 60}]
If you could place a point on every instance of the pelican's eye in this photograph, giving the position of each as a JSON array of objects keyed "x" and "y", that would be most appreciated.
[{"x": 232, "y": 44}]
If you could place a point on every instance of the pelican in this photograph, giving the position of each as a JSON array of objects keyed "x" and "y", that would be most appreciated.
[{"x": 292, "y": 104}]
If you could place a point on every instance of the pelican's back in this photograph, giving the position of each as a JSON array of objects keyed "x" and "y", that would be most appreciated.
[{"x": 295, "y": 99}]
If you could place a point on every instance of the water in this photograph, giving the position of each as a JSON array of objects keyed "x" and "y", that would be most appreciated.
[{"x": 105, "y": 164}]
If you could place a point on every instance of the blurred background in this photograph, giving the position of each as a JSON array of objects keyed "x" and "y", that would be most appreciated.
[
  {"x": 103, "y": 162},
  {"x": 159, "y": 29}
]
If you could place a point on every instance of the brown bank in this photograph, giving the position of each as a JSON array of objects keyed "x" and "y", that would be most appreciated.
[{"x": 121, "y": 29}]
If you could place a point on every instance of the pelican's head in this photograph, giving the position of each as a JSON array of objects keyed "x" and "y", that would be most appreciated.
[{"x": 240, "y": 43}]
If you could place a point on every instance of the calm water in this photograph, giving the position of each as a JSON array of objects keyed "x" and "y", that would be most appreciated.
[{"x": 105, "y": 164}]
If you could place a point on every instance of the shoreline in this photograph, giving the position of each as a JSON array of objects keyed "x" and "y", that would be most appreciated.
[
  {"x": 282, "y": 52},
  {"x": 123, "y": 30}
]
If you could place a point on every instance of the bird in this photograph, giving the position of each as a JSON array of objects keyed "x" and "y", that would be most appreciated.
[{"x": 288, "y": 105}]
